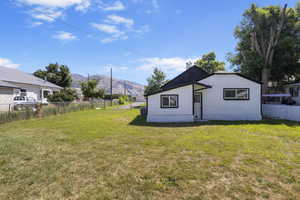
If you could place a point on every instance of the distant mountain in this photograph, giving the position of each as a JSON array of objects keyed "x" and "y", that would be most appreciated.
[{"x": 132, "y": 88}]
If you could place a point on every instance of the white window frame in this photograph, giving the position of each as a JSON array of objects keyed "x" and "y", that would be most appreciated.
[
  {"x": 169, "y": 96},
  {"x": 236, "y": 97}
]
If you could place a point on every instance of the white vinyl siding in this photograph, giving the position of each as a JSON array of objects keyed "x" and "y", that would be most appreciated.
[
  {"x": 6, "y": 99},
  {"x": 216, "y": 108}
]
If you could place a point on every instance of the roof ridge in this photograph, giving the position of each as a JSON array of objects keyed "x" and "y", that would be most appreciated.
[{"x": 194, "y": 67}]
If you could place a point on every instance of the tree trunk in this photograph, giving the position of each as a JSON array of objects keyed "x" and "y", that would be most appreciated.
[{"x": 265, "y": 73}]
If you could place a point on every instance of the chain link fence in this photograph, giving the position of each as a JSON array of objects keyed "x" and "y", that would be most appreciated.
[{"x": 15, "y": 112}]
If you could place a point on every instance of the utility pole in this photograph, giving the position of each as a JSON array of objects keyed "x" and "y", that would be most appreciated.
[
  {"x": 124, "y": 87},
  {"x": 111, "y": 92}
]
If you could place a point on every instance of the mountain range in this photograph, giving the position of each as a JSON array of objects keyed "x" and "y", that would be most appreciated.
[{"x": 119, "y": 86}]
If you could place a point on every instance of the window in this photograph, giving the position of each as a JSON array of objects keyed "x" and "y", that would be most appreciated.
[
  {"x": 46, "y": 93},
  {"x": 23, "y": 93},
  {"x": 197, "y": 98},
  {"x": 236, "y": 93},
  {"x": 169, "y": 101},
  {"x": 294, "y": 91}
]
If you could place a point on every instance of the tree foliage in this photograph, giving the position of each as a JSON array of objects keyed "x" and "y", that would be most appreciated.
[
  {"x": 57, "y": 74},
  {"x": 64, "y": 95},
  {"x": 209, "y": 63},
  {"x": 89, "y": 90},
  {"x": 156, "y": 80},
  {"x": 268, "y": 46}
]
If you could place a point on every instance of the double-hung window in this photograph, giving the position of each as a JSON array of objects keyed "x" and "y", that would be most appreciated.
[
  {"x": 236, "y": 94},
  {"x": 169, "y": 101}
]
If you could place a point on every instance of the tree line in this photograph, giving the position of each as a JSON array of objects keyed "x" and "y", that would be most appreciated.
[
  {"x": 268, "y": 48},
  {"x": 60, "y": 75}
]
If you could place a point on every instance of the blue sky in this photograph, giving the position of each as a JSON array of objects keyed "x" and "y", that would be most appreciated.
[{"x": 131, "y": 36}]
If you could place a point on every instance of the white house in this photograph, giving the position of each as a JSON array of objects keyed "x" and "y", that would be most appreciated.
[
  {"x": 196, "y": 95},
  {"x": 14, "y": 83}
]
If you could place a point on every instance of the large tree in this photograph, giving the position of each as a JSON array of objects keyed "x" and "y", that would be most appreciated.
[
  {"x": 58, "y": 74},
  {"x": 209, "y": 63},
  {"x": 157, "y": 79},
  {"x": 90, "y": 91},
  {"x": 268, "y": 44}
]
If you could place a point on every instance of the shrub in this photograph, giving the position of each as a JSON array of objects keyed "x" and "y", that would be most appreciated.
[
  {"x": 123, "y": 99},
  {"x": 65, "y": 95}
]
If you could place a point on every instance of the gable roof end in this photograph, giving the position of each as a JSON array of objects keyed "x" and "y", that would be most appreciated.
[
  {"x": 192, "y": 74},
  {"x": 178, "y": 86},
  {"x": 233, "y": 73}
]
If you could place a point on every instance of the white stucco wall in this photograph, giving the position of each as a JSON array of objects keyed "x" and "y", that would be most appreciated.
[
  {"x": 184, "y": 112},
  {"x": 216, "y": 108},
  {"x": 6, "y": 99},
  {"x": 281, "y": 112}
]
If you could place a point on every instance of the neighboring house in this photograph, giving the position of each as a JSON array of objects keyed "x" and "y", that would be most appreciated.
[
  {"x": 14, "y": 83},
  {"x": 196, "y": 95},
  {"x": 294, "y": 90}
]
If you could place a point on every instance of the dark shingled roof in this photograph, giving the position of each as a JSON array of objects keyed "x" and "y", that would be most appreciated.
[{"x": 192, "y": 74}]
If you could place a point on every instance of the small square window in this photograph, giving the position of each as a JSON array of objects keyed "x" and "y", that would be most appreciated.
[{"x": 169, "y": 101}]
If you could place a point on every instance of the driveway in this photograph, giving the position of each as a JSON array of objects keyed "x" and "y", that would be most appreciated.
[{"x": 132, "y": 105}]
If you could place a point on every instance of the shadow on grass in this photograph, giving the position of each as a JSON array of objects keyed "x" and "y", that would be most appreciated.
[{"x": 141, "y": 121}]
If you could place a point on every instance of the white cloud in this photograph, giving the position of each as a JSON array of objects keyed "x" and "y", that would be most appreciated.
[
  {"x": 65, "y": 36},
  {"x": 118, "y": 27},
  {"x": 46, "y": 14},
  {"x": 173, "y": 64},
  {"x": 142, "y": 30},
  {"x": 116, "y": 6},
  {"x": 116, "y": 19},
  {"x": 114, "y": 37},
  {"x": 8, "y": 63},
  {"x": 155, "y": 7},
  {"x": 34, "y": 24},
  {"x": 50, "y": 10},
  {"x": 105, "y": 28},
  {"x": 137, "y": 1},
  {"x": 56, "y": 3},
  {"x": 115, "y": 33}
]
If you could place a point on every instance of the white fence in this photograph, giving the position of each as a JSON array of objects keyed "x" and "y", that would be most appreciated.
[{"x": 281, "y": 112}]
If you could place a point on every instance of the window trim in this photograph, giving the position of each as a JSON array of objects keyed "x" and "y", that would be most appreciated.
[
  {"x": 236, "y": 99},
  {"x": 169, "y": 95}
]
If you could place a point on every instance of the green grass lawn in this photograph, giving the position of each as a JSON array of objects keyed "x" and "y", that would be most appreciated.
[{"x": 114, "y": 154}]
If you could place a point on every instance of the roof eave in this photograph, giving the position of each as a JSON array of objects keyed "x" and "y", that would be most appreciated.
[{"x": 178, "y": 86}]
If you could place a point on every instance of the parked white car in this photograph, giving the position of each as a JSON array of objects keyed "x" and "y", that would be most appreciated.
[{"x": 23, "y": 102}]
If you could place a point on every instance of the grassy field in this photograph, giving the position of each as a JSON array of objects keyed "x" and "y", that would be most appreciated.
[{"x": 114, "y": 154}]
